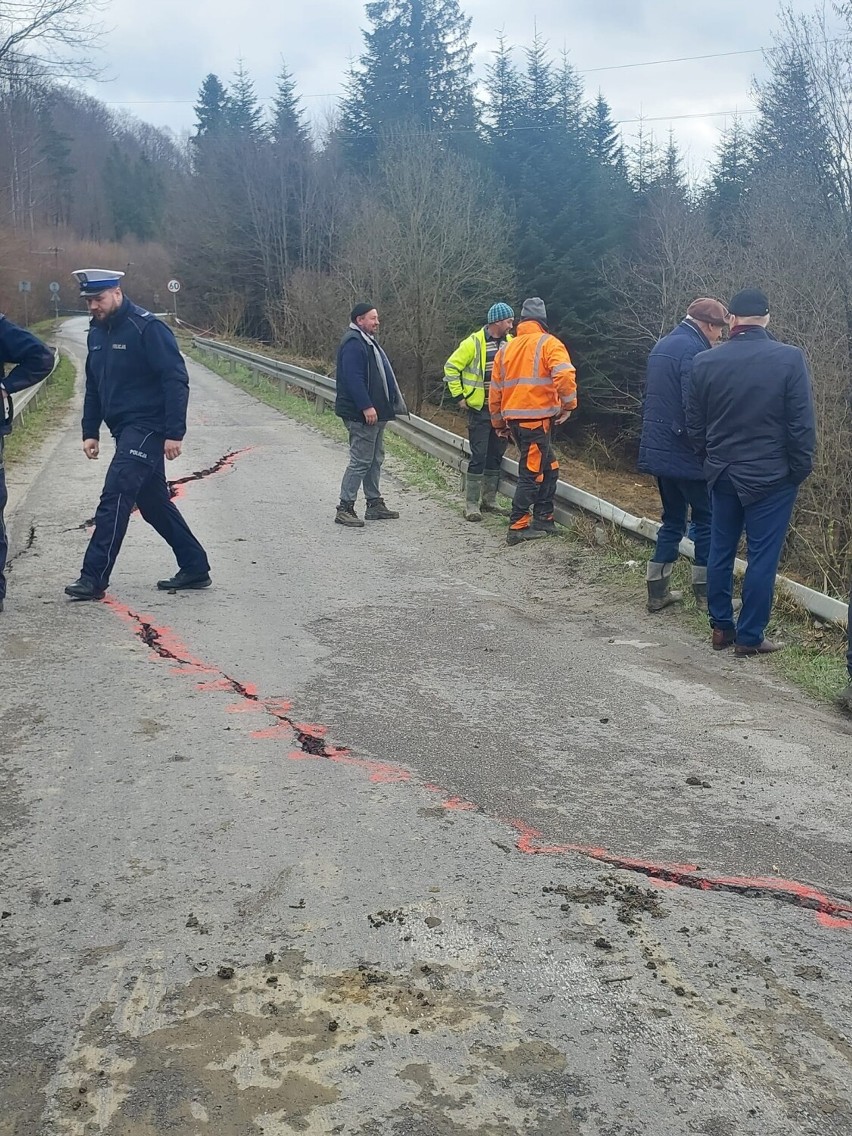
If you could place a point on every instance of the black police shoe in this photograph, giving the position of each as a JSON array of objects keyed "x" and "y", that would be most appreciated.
[
  {"x": 85, "y": 589},
  {"x": 184, "y": 581}
]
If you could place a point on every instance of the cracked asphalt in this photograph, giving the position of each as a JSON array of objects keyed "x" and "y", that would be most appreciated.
[{"x": 397, "y": 831}]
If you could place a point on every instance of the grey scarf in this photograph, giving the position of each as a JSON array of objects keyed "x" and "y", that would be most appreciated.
[{"x": 396, "y": 401}]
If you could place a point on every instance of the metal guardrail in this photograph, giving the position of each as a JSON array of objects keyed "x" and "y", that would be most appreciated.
[
  {"x": 453, "y": 450},
  {"x": 30, "y": 396}
]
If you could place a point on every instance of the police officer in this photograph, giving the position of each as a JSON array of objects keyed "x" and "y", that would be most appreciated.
[
  {"x": 33, "y": 361},
  {"x": 136, "y": 382}
]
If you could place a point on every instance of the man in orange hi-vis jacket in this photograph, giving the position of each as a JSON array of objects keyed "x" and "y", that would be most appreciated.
[{"x": 533, "y": 385}]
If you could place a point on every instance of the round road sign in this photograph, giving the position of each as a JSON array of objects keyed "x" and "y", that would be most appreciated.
[
  {"x": 54, "y": 286},
  {"x": 174, "y": 285}
]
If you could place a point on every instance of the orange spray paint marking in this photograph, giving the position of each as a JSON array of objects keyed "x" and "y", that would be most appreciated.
[
  {"x": 281, "y": 730},
  {"x": 830, "y": 913},
  {"x": 177, "y": 488}
]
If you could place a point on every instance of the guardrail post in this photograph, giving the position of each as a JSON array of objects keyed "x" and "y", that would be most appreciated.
[{"x": 319, "y": 404}]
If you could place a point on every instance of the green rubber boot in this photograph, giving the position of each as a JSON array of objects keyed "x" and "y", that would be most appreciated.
[{"x": 472, "y": 493}]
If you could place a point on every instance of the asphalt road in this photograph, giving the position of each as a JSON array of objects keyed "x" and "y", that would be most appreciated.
[{"x": 390, "y": 831}]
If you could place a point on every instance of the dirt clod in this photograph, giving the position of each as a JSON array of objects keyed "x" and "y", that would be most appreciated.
[{"x": 225, "y": 972}]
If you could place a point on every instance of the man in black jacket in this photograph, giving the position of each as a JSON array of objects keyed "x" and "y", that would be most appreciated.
[
  {"x": 368, "y": 397},
  {"x": 32, "y": 361},
  {"x": 136, "y": 382},
  {"x": 751, "y": 417}
]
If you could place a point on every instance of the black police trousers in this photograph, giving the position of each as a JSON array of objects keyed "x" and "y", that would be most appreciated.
[
  {"x": 137, "y": 477},
  {"x": 4, "y": 540}
]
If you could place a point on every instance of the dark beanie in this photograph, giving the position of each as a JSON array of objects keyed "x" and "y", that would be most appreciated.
[
  {"x": 360, "y": 310},
  {"x": 749, "y": 302},
  {"x": 534, "y": 309}
]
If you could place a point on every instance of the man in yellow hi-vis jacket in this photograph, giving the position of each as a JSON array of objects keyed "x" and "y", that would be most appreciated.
[{"x": 467, "y": 374}]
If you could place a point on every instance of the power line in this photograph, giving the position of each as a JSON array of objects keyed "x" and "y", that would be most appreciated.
[
  {"x": 678, "y": 59},
  {"x": 584, "y": 71}
]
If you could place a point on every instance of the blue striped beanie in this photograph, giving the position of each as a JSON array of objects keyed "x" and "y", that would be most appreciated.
[{"x": 499, "y": 312}]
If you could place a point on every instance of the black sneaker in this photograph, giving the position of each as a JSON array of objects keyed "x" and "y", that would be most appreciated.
[
  {"x": 85, "y": 589},
  {"x": 346, "y": 515},
  {"x": 377, "y": 510},
  {"x": 548, "y": 527},
  {"x": 185, "y": 581},
  {"x": 517, "y": 536}
]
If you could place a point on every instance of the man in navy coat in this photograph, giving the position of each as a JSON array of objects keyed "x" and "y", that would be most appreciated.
[
  {"x": 32, "y": 361},
  {"x": 751, "y": 417},
  {"x": 666, "y": 452},
  {"x": 136, "y": 383}
]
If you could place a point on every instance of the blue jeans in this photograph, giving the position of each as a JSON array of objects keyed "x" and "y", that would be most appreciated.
[
  {"x": 680, "y": 497},
  {"x": 765, "y": 522},
  {"x": 366, "y": 455}
]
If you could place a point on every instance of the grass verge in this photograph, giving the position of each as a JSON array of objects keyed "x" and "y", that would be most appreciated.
[
  {"x": 814, "y": 658},
  {"x": 38, "y": 421}
]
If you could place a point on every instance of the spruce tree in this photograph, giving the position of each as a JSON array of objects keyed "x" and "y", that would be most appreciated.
[
  {"x": 211, "y": 108},
  {"x": 243, "y": 114},
  {"x": 414, "y": 73},
  {"x": 730, "y": 179},
  {"x": 288, "y": 124}
]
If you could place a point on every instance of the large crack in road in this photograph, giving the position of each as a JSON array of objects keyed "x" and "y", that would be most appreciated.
[{"x": 832, "y": 912}]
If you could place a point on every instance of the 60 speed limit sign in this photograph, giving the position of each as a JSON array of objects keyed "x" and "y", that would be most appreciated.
[{"x": 174, "y": 285}]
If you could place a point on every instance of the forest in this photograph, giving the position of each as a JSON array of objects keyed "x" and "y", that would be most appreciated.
[{"x": 434, "y": 192}]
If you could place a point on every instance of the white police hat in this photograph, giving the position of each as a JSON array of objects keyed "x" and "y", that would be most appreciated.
[{"x": 93, "y": 281}]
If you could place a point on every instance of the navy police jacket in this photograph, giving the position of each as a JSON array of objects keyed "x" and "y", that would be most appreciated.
[
  {"x": 665, "y": 449},
  {"x": 751, "y": 414},
  {"x": 32, "y": 359},
  {"x": 135, "y": 376}
]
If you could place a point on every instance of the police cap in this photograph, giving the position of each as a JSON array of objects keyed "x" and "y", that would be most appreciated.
[{"x": 93, "y": 281}]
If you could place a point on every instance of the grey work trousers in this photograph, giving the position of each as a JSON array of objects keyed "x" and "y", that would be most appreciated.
[{"x": 366, "y": 454}]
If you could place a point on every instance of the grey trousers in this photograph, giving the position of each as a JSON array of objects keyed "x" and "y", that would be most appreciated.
[{"x": 366, "y": 454}]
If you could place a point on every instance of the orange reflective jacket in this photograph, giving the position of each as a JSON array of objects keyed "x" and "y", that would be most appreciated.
[{"x": 533, "y": 378}]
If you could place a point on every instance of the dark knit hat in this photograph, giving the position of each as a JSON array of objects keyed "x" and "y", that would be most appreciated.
[
  {"x": 498, "y": 312},
  {"x": 534, "y": 309},
  {"x": 360, "y": 310},
  {"x": 707, "y": 310},
  {"x": 749, "y": 302}
]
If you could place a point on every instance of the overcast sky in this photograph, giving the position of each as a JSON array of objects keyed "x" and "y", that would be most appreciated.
[{"x": 158, "y": 54}]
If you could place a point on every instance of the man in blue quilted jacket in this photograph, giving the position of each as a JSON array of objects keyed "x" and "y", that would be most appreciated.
[{"x": 666, "y": 451}]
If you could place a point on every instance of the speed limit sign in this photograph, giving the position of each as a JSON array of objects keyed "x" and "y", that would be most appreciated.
[{"x": 174, "y": 285}]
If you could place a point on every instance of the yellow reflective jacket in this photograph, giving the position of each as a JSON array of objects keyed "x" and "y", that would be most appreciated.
[{"x": 464, "y": 371}]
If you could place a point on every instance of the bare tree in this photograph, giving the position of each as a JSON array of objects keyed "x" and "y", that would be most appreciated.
[
  {"x": 59, "y": 35},
  {"x": 430, "y": 244}
]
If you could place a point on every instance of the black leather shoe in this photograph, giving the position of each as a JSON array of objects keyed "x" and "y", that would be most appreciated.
[
  {"x": 185, "y": 581},
  {"x": 84, "y": 589}
]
